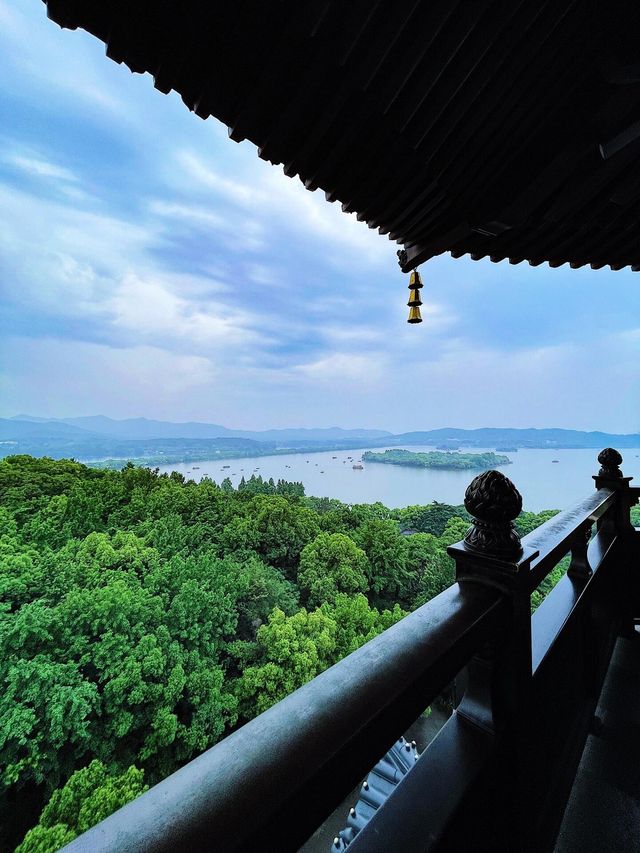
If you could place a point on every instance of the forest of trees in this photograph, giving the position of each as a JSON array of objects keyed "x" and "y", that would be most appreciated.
[{"x": 144, "y": 617}]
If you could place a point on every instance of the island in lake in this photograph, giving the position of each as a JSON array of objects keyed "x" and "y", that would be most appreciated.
[{"x": 436, "y": 459}]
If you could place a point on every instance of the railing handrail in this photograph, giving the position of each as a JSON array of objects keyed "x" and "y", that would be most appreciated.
[
  {"x": 233, "y": 791},
  {"x": 554, "y": 538}
]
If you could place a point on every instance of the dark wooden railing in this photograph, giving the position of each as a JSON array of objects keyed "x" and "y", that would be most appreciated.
[{"x": 497, "y": 776}]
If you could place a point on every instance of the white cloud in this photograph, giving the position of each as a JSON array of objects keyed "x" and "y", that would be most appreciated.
[
  {"x": 63, "y": 258},
  {"x": 266, "y": 275},
  {"x": 40, "y": 168},
  {"x": 353, "y": 333},
  {"x": 9, "y": 21},
  {"x": 226, "y": 222},
  {"x": 268, "y": 194},
  {"x": 150, "y": 309},
  {"x": 71, "y": 376},
  {"x": 189, "y": 213},
  {"x": 630, "y": 337},
  {"x": 205, "y": 176},
  {"x": 341, "y": 368},
  {"x": 78, "y": 263},
  {"x": 69, "y": 66}
]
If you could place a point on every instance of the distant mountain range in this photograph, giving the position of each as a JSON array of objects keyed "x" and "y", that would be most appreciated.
[
  {"x": 538, "y": 438},
  {"x": 142, "y": 428},
  {"x": 151, "y": 441}
]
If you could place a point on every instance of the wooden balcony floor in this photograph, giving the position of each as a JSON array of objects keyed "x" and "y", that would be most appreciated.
[{"x": 603, "y": 813}]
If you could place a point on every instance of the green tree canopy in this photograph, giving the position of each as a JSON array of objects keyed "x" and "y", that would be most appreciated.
[
  {"x": 386, "y": 550},
  {"x": 332, "y": 563},
  {"x": 454, "y": 531},
  {"x": 274, "y": 527},
  {"x": 528, "y": 521},
  {"x": 293, "y": 650},
  {"x": 90, "y": 795},
  {"x": 434, "y": 570},
  {"x": 431, "y": 518}
]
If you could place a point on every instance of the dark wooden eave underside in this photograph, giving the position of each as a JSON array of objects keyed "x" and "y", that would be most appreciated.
[{"x": 471, "y": 126}]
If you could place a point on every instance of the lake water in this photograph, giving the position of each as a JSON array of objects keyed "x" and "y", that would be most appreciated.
[{"x": 542, "y": 483}]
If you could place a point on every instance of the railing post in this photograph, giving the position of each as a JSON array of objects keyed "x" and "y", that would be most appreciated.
[
  {"x": 617, "y": 522},
  {"x": 500, "y": 678},
  {"x": 611, "y": 477}
]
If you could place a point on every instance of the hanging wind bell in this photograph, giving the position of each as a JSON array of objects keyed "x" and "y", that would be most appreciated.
[{"x": 414, "y": 303}]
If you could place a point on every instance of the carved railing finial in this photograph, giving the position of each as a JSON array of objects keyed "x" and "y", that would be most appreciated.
[
  {"x": 610, "y": 460},
  {"x": 494, "y": 502}
]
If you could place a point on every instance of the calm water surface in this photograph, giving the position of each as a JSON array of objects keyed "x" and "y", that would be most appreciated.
[{"x": 543, "y": 483}]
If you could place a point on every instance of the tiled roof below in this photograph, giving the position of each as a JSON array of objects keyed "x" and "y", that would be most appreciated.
[{"x": 375, "y": 790}]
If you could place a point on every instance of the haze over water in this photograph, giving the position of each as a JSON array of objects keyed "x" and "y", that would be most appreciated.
[{"x": 542, "y": 483}]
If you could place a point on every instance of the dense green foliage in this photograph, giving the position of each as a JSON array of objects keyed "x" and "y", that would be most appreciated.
[
  {"x": 143, "y": 617},
  {"x": 439, "y": 459},
  {"x": 90, "y": 795}
]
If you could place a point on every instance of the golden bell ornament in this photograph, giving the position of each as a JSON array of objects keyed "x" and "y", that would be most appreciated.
[
  {"x": 414, "y": 315},
  {"x": 415, "y": 282},
  {"x": 414, "y": 299}
]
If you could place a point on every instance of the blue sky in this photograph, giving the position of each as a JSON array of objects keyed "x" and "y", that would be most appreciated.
[{"x": 151, "y": 267}]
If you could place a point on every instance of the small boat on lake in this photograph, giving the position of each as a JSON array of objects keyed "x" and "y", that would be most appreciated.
[
  {"x": 358, "y": 467},
  {"x": 555, "y": 460}
]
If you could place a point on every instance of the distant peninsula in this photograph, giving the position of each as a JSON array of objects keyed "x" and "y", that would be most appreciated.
[{"x": 438, "y": 459}]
